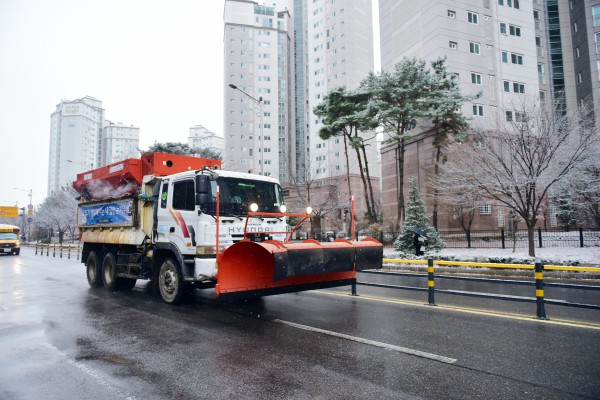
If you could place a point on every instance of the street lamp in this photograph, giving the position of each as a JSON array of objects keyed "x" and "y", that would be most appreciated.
[
  {"x": 261, "y": 106},
  {"x": 82, "y": 164},
  {"x": 30, "y": 208}
]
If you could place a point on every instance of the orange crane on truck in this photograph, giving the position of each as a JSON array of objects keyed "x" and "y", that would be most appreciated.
[{"x": 183, "y": 222}]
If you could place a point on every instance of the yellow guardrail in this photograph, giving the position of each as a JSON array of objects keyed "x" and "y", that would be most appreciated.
[{"x": 492, "y": 265}]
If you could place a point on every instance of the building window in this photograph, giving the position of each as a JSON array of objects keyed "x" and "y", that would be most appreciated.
[
  {"x": 475, "y": 78},
  {"x": 485, "y": 209},
  {"x": 506, "y": 86},
  {"x": 577, "y": 52},
  {"x": 501, "y": 219},
  {"x": 509, "y": 116},
  {"x": 542, "y": 96},
  {"x": 474, "y": 48},
  {"x": 596, "y": 14},
  {"x": 503, "y": 28},
  {"x": 514, "y": 30},
  {"x": 518, "y": 87},
  {"x": 597, "y": 39},
  {"x": 451, "y": 14},
  {"x": 505, "y": 56},
  {"x": 473, "y": 18},
  {"x": 478, "y": 110},
  {"x": 579, "y": 77},
  {"x": 516, "y": 58},
  {"x": 574, "y": 27},
  {"x": 453, "y": 45}
]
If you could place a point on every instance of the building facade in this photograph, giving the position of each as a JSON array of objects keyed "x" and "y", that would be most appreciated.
[
  {"x": 75, "y": 130},
  {"x": 259, "y": 96},
  {"x": 119, "y": 142},
  {"x": 81, "y": 139},
  {"x": 328, "y": 44},
  {"x": 202, "y": 138},
  {"x": 512, "y": 52}
]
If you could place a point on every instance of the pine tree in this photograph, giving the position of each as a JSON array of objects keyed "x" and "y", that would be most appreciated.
[
  {"x": 416, "y": 217},
  {"x": 566, "y": 210}
]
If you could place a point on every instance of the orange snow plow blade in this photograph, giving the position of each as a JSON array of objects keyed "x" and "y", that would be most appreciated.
[{"x": 249, "y": 269}]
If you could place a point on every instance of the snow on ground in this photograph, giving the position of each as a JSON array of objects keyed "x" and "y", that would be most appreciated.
[{"x": 587, "y": 256}]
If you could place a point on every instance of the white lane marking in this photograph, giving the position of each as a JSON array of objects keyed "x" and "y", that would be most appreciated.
[
  {"x": 387, "y": 346},
  {"x": 90, "y": 372}
]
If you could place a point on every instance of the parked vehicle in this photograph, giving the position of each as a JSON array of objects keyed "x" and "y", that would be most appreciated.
[
  {"x": 183, "y": 222},
  {"x": 10, "y": 242}
]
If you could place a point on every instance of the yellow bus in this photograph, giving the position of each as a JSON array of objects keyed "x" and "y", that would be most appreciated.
[{"x": 9, "y": 239}]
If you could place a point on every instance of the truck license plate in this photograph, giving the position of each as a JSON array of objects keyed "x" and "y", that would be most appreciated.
[{"x": 6, "y": 250}]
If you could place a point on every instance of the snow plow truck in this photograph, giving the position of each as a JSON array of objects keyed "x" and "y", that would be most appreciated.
[{"x": 185, "y": 223}]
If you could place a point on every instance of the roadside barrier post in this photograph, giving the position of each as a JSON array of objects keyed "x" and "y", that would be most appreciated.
[
  {"x": 354, "y": 288},
  {"x": 54, "y": 250},
  {"x": 48, "y": 250},
  {"x": 580, "y": 237},
  {"x": 61, "y": 250},
  {"x": 539, "y": 290},
  {"x": 430, "y": 281},
  {"x": 36, "y": 247}
]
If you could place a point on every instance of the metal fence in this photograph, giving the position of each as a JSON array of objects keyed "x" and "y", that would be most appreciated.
[{"x": 506, "y": 239}]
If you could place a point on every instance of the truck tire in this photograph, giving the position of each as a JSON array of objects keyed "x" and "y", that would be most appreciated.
[
  {"x": 93, "y": 270},
  {"x": 170, "y": 282},
  {"x": 109, "y": 273}
]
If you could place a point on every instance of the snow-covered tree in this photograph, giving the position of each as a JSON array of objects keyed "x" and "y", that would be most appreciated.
[
  {"x": 58, "y": 213},
  {"x": 182, "y": 149},
  {"x": 416, "y": 217},
  {"x": 399, "y": 98},
  {"x": 516, "y": 163},
  {"x": 566, "y": 215},
  {"x": 448, "y": 121},
  {"x": 344, "y": 113}
]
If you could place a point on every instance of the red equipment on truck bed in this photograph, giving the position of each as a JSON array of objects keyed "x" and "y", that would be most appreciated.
[{"x": 125, "y": 177}]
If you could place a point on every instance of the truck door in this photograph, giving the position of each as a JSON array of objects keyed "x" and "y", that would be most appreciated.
[{"x": 178, "y": 218}]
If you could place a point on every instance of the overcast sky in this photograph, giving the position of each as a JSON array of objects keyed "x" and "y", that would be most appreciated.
[
  {"x": 153, "y": 64},
  {"x": 156, "y": 65}
]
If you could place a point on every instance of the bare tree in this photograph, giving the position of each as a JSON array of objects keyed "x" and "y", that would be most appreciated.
[
  {"x": 516, "y": 163},
  {"x": 321, "y": 195},
  {"x": 58, "y": 212}
]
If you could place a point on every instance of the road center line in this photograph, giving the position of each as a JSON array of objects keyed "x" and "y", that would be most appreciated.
[{"x": 387, "y": 346}]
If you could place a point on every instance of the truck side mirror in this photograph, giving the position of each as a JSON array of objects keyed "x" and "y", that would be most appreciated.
[{"x": 202, "y": 190}]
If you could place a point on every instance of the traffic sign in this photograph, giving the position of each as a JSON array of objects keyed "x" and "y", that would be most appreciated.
[
  {"x": 9, "y": 212},
  {"x": 29, "y": 219}
]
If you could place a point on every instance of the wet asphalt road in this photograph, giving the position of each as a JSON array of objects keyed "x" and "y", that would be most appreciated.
[{"x": 61, "y": 340}]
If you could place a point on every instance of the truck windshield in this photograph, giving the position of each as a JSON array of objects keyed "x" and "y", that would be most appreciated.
[{"x": 237, "y": 194}]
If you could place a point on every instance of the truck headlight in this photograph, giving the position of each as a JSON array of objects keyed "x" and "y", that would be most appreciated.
[
  {"x": 282, "y": 208},
  {"x": 205, "y": 250},
  {"x": 254, "y": 207}
]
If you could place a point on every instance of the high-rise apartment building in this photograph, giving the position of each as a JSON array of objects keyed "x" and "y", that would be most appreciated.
[
  {"x": 299, "y": 49},
  {"x": 202, "y": 138},
  {"x": 75, "y": 129},
  {"x": 513, "y": 52},
  {"x": 81, "y": 139},
  {"x": 490, "y": 46},
  {"x": 119, "y": 142},
  {"x": 335, "y": 49},
  {"x": 259, "y": 100}
]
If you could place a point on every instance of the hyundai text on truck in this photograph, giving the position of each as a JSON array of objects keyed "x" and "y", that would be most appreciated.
[{"x": 185, "y": 223}]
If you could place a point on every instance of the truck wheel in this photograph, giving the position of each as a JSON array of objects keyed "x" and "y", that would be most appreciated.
[
  {"x": 170, "y": 282},
  {"x": 109, "y": 273},
  {"x": 93, "y": 270}
]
